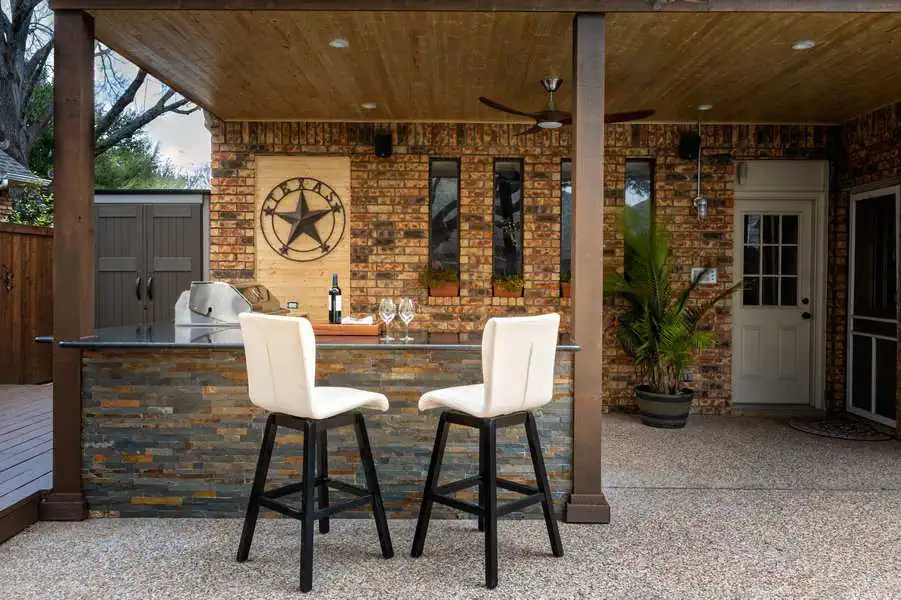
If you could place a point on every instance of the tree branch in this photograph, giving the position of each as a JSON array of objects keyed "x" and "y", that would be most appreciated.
[
  {"x": 116, "y": 110},
  {"x": 34, "y": 68},
  {"x": 128, "y": 130}
]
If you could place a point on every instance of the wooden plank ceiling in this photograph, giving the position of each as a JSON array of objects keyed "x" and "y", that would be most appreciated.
[{"x": 433, "y": 66}]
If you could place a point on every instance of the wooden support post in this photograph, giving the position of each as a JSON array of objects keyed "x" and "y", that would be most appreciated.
[
  {"x": 587, "y": 503},
  {"x": 73, "y": 250}
]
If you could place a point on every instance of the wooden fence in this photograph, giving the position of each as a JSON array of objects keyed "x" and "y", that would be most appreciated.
[{"x": 26, "y": 303}]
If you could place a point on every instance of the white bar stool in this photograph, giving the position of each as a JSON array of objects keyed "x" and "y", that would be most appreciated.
[
  {"x": 518, "y": 371},
  {"x": 281, "y": 373}
]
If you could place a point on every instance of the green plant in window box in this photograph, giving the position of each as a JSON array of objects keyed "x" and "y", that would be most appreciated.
[
  {"x": 442, "y": 281},
  {"x": 565, "y": 284},
  {"x": 659, "y": 327},
  {"x": 508, "y": 286}
]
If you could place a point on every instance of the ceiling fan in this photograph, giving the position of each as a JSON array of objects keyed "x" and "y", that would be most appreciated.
[{"x": 551, "y": 118}]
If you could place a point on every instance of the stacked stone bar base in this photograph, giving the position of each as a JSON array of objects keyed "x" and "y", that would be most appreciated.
[{"x": 171, "y": 433}]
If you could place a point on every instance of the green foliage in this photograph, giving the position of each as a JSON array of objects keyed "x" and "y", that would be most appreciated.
[
  {"x": 135, "y": 164},
  {"x": 430, "y": 276},
  {"x": 40, "y": 155},
  {"x": 510, "y": 283},
  {"x": 659, "y": 329},
  {"x": 565, "y": 277},
  {"x": 31, "y": 205}
]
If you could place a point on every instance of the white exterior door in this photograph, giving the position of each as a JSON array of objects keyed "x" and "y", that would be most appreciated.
[{"x": 774, "y": 308}]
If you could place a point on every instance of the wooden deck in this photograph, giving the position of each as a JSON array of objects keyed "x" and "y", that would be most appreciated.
[{"x": 26, "y": 461}]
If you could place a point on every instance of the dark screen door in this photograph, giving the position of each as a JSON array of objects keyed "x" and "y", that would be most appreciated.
[{"x": 873, "y": 351}]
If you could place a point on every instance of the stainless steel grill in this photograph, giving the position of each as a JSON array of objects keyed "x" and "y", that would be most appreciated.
[{"x": 218, "y": 304}]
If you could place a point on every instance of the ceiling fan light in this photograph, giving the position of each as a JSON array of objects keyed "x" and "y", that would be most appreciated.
[{"x": 550, "y": 124}]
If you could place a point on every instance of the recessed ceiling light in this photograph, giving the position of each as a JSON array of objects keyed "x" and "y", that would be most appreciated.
[
  {"x": 369, "y": 105},
  {"x": 339, "y": 43},
  {"x": 803, "y": 45},
  {"x": 705, "y": 107}
]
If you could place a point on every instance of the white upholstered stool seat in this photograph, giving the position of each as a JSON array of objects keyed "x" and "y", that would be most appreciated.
[
  {"x": 465, "y": 398},
  {"x": 518, "y": 356},
  {"x": 331, "y": 401},
  {"x": 281, "y": 375}
]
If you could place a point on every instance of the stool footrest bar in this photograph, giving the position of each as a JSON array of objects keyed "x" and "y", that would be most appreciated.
[
  {"x": 519, "y": 504},
  {"x": 349, "y": 505},
  {"x": 458, "y": 504},
  {"x": 288, "y": 511},
  {"x": 347, "y": 488},
  {"x": 456, "y": 486},
  {"x": 516, "y": 487}
]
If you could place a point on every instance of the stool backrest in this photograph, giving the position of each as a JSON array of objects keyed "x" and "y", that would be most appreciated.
[
  {"x": 281, "y": 362},
  {"x": 518, "y": 355}
]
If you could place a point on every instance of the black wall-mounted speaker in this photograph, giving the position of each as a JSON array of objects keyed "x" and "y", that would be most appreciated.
[
  {"x": 384, "y": 146},
  {"x": 689, "y": 145}
]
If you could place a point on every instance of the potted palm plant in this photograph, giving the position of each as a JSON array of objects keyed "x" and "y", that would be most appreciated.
[
  {"x": 659, "y": 326},
  {"x": 441, "y": 281}
]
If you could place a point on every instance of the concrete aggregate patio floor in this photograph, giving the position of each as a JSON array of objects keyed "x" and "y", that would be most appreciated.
[{"x": 692, "y": 522}]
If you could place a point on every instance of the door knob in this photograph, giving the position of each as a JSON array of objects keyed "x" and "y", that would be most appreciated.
[{"x": 806, "y": 315}]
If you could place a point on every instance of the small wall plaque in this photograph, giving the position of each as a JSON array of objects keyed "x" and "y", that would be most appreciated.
[{"x": 709, "y": 277}]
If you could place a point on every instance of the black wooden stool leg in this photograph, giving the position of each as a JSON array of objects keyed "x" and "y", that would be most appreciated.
[
  {"x": 259, "y": 484},
  {"x": 322, "y": 457},
  {"x": 372, "y": 484},
  {"x": 543, "y": 485},
  {"x": 483, "y": 455},
  {"x": 309, "y": 506},
  {"x": 431, "y": 482},
  {"x": 488, "y": 449}
]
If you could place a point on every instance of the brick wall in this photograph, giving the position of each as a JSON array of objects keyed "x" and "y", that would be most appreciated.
[
  {"x": 389, "y": 224},
  {"x": 871, "y": 157},
  {"x": 182, "y": 439}
]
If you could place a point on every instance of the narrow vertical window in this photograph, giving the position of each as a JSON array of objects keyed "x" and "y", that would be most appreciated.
[
  {"x": 508, "y": 218},
  {"x": 566, "y": 219},
  {"x": 639, "y": 196},
  {"x": 444, "y": 214}
]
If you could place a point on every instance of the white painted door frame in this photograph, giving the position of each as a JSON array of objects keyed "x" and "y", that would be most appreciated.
[
  {"x": 818, "y": 283},
  {"x": 855, "y": 198}
]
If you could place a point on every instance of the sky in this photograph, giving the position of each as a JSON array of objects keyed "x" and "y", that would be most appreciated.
[{"x": 182, "y": 139}]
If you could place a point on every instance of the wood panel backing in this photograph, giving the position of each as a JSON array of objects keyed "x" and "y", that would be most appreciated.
[
  {"x": 304, "y": 282},
  {"x": 277, "y": 65}
]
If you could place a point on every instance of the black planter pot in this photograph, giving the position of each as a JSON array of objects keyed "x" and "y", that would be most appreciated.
[{"x": 664, "y": 410}]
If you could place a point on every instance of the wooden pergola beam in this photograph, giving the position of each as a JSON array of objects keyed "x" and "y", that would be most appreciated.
[
  {"x": 587, "y": 503},
  {"x": 583, "y": 6}
]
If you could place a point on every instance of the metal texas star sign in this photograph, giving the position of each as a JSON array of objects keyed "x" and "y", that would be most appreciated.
[{"x": 303, "y": 219}]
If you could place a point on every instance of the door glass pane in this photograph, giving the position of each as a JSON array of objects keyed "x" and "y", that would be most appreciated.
[
  {"x": 752, "y": 229},
  {"x": 771, "y": 260},
  {"x": 789, "y": 229},
  {"x": 886, "y": 378},
  {"x": 875, "y": 271},
  {"x": 789, "y": 260},
  {"x": 770, "y": 291},
  {"x": 751, "y": 291},
  {"x": 752, "y": 260},
  {"x": 771, "y": 229},
  {"x": 789, "y": 291},
  {"x": 862, "y": 372}
]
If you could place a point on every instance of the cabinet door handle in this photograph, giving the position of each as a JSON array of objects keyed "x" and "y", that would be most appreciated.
[
  {"x": 138, "y": 289},
  {"x": 150, "y": 289}
]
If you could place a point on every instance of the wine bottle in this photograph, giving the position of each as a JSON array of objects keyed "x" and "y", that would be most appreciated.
[{"x": 334, "y": 302}]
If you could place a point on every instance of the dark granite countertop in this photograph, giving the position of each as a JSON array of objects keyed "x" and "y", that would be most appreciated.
[{"x": 168, "y": 336}]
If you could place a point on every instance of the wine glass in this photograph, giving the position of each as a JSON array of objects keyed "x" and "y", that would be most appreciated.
[
  {"x": 387, "y": 312},
  {"x": 405, "y": 311}
]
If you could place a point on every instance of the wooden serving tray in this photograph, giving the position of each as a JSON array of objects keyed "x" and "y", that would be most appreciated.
[{"x": 358, "y": 330}]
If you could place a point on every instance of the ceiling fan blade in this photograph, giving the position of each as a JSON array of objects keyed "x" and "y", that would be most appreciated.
[
  {"x": 623, "y": 117},
  {"x": 530, "y": 130},
  {"x": 506, "y": 109}
]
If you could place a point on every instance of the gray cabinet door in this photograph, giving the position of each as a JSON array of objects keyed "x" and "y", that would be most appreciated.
[
  {"x": 120, "y": 251},
  {"x": 174, "y": 255},
  {"x": 147, "y": 254}
]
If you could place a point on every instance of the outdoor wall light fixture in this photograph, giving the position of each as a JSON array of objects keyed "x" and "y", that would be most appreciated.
[{"x": 700, "y": 202}]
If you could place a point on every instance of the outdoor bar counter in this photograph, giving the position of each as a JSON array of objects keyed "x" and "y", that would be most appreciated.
[{"x": 168, "y": 429}]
